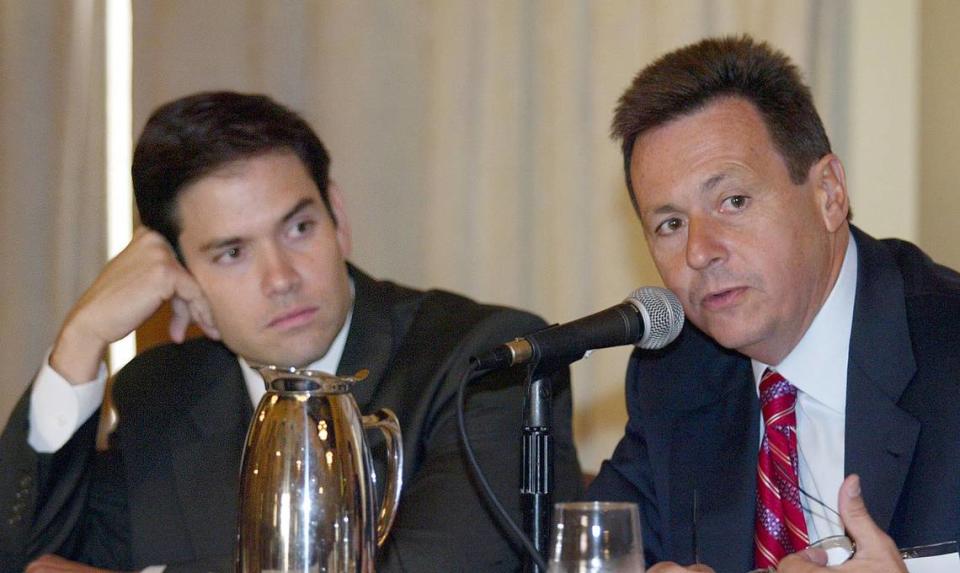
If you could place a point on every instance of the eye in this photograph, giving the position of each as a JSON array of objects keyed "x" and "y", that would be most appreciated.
[
  {"x": 301, "y": 228},
  {"x": 735, "y": 203},
  {"x": 669, "y": 226},
  {"x": 228, "y": 255}
]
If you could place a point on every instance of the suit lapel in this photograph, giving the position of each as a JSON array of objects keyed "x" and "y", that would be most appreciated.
[
  {"x": 880, "y": 437},
  {"x": 370, "y": 342},
  {"x": 207, "y": 447}
]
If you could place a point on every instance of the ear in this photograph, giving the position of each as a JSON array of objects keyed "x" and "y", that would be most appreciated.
[
  {"x": 344, "y": 237},
  {"x": 830, "y": 187}
]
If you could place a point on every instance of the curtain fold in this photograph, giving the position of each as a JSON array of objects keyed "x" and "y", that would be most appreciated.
[
  {"x": 470, "y": 139},
  {"x": 52, "y": 238}
]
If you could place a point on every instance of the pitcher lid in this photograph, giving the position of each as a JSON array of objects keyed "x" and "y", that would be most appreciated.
[{"x": 313, "y": 380}]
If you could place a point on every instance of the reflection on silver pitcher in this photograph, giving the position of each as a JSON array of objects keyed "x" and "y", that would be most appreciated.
[{"x": 307, "y": 500}]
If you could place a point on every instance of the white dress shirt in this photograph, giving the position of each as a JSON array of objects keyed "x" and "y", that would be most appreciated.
[
  {"x": 817, "y": 367},
  {"x": 58, "y": 408}
]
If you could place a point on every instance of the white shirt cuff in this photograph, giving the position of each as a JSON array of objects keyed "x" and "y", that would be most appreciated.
[
  {"x": 155, "y": 569},
  {"x": 58, "y": 408}
]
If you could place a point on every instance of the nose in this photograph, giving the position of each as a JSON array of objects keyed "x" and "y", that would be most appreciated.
[
  {"x": 704, "y": 245},
  {"x": 279, "y": 275}
]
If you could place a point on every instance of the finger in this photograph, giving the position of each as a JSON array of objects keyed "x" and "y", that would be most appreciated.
[
  {"x": 808, "y": 560},
  {"x": 188, "y": 304},
  {"x": 853, "y": 511},
  {"x": 212, "y": 332},
  {"x": 53, "y": 564},
  {"x": 40, "y": 564},
  {"x": 188, "y": 289},
  {"x": 701, "y": 567},
  {"x": 180, "y": 319},
  {"x": 851, "y": 502},
  {"x": 671, "y": 567},
  {"x": 183, "y": 282},
  {"x": 202, "y": 315},
  {"x": 665, "y": 567}
]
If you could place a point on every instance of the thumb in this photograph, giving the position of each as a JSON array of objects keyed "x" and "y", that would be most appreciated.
[
  {"x": 876, "y": 551},
  {"x": 853, "y": 510},
  {"x": 869, "y": 538}
]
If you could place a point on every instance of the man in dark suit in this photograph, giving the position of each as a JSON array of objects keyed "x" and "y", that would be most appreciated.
[
  {"x": 248, "y": 238},
  {"x": 813, "y": 352}
]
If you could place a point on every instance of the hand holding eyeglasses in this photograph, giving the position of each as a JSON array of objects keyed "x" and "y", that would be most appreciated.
[{"x": 875, "y": 553}]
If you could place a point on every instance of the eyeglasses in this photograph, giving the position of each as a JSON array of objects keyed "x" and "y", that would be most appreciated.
[{"x": 839, "y": 548}]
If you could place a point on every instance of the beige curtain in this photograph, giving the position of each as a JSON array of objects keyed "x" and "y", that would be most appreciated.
[
  {"x": 470, "y": 139},
  {"x": 52, "y": 240}
]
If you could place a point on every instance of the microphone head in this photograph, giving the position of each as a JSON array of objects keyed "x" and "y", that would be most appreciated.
[{"x": 662, "y": 316}]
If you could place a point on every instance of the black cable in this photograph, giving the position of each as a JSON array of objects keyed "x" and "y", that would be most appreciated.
[{"x": 478, "y": 473}]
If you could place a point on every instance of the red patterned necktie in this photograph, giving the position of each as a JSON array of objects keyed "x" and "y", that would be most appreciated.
[{"x": 780, "y": 527}]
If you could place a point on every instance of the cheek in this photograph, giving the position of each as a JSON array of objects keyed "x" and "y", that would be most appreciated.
[
  {"x": 784, "y": 263},
  {"x": 228, "y": 321},
  {"x": 227, "y": 300},
  {"x": 673, "y": 270}
]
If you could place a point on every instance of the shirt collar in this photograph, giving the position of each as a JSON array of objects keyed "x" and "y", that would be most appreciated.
[
  {"x": 817, "y": 365},
  {"x": 328, "y": 363}
]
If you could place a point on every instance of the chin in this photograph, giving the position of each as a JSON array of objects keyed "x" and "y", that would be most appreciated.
[
  {"x": 297, "y": 352},
  {"x": 281, "y": 359},
  {"x": 306, "y": 357},
  {"x": 730, "y": 337}
]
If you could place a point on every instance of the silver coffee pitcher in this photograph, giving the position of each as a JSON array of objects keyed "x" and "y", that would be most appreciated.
[{"x": 307, "y": 499}]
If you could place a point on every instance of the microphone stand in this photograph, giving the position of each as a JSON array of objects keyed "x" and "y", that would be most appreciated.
[{"x": 536, "y": 482}]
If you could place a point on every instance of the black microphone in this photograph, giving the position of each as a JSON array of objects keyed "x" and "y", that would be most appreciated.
[{"x": 651, "y": 318}]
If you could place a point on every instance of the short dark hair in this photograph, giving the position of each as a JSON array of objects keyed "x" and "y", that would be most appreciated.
[
  {"x": 689, "y": 79},
  {"x": 193, "y": 136}
]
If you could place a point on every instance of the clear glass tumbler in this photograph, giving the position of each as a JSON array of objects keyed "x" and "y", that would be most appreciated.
[{"x": 596, "y": 537}]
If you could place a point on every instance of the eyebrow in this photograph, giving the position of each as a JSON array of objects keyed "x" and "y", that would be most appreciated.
[
  {"x": 234, "y": 241},
  {"x": 709, "y": 185},
  {"x": 300, "y": 206}
]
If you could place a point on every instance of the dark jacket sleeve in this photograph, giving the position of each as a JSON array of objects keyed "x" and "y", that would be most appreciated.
[
  {"x": 627, "y": 475},
  {"x": 43, "y": 496},
  {"x": 445, "y": 523},
  {"x": 692, "y": 427}
]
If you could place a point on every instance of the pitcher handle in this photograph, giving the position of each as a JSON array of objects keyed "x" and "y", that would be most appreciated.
[{"x": 386, "y": 421}]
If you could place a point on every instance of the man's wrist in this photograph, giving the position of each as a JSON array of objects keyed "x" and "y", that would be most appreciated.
[
  {"x": 58, "y": 408},
  {"x": 76, "y": 356}
]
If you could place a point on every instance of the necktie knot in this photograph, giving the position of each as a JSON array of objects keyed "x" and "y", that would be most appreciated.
[{"x": 778, "y": 399}]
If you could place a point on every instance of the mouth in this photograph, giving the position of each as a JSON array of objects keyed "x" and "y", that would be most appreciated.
[
  {"x": 293, "y": 319},
  {"x": 723, "y": 299}
]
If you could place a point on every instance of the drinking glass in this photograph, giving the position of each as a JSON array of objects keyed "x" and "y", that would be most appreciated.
[{"x": 596, "y": 537}]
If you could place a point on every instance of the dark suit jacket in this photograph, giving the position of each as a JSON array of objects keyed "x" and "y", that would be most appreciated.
[
  {"x": 694, "y": 421},
  {"x": 167, "y": 490}
]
